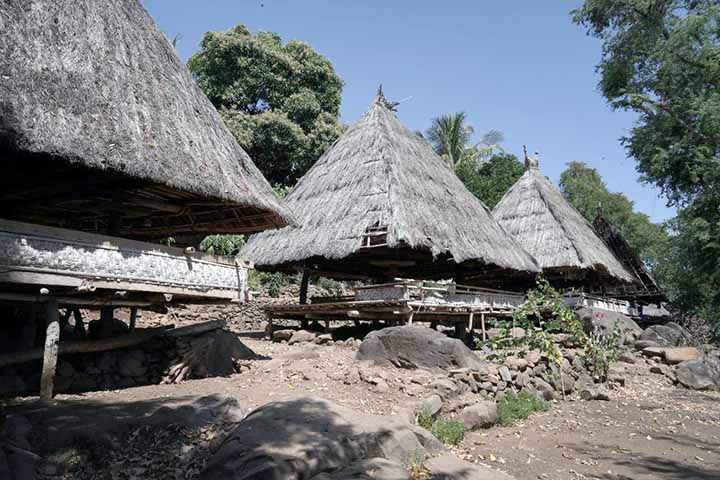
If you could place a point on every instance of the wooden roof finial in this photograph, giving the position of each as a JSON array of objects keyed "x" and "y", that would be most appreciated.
[
  {"x": 381, "y": 100},
  {"x": 531, "y": 162}
]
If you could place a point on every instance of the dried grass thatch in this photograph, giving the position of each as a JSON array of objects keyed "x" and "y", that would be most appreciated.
[
  {"x": 92, "y": 94},
  {"x": 560, "y": 239},
  {"x": 380, "y": 203}
]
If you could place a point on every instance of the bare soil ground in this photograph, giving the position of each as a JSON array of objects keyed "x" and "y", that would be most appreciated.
[{"x": 648, "y": 430}]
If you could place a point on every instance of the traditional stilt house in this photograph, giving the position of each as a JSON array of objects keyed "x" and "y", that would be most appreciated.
[
  {"x": 380, "y": 204},
  {"x": 646, "y": 289},
  {"x": 106, "y": 140},
  {"x": 561, "y": 240}
]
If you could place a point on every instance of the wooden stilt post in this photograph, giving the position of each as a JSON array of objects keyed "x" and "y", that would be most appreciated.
[
  {"x": 460, "y": 331},
  {"x": 133, "y": 318},
  {"x": 304, "y": 282},
  {"x": 410, "y": 318},
  {"x": 107, "y": 318},
  {"x": 52, "y": 337},
  {"x": 482, "y": 326},
  {"x": 79, "y": 324}
]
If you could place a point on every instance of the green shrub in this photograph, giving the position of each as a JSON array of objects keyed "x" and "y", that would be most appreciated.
[
  {"x": 518, "y": 407},
  {"x": 424, "y": 418},
  {"x": 228, "y": 245},
  {"x": 601, "y": 351},
  {"x": 275, "y": 282},
  {"x": 333, "y": 287},
  {"x": 449, "y": 431}
]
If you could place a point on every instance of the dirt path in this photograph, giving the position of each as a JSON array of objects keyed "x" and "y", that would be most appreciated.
[{"x": 649, "y": 429}]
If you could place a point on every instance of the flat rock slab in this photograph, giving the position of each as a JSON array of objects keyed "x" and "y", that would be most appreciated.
[
  {"x": 305, "y": 437},
  {"x": 416, "y": 347},
  {"x": 450, "y": 467}
]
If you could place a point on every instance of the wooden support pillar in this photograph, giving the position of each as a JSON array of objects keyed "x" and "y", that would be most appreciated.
[
  {"x": 410, "y": 318},
  {"x": 79, "y": 324},
  {"x": 482, "y": 326},
  {"x": 133, "y": 318},
  {"x": 304, "y": 282},
  {"x": 470, "y": 322},
  {"x": 107, "y": 318},
  {"x": 52, "y": 337},
  {"x": 460, "y": 331}
]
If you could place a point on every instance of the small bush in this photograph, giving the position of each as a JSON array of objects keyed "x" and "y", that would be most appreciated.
[
  {"x": 228, "y": 245},
  {"x": 518, "y": 407},
  {"x": 424, "y": 418},
  {"x": 275, "y": 282},
  {"x": 416, "y": 467},
  {"x": 449, "y": 431}
]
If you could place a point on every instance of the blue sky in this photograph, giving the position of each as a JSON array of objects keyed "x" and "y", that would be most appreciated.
[{"x": 521, "y": 67}]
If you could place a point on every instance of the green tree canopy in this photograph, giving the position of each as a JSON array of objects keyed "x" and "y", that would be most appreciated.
[
  {"x": 280, "y": 101},
  {"x": 661, "y": 59},
  {"x": 490, "y": 179}
]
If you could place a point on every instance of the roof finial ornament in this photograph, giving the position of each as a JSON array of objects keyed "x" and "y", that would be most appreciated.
[
  {"x": 599, "y": 209},
  {"x": 530, "y": 161},
  {"x": 381, "y": 100}
]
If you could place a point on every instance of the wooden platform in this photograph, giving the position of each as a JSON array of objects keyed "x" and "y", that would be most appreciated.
[{"x": 88, "y": 269}]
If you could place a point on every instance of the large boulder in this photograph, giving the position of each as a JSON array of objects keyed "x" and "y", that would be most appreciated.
[
  {"x": 677, "y": 355},
  {"x": 306, "y": 437},
  {"x": 416, "y": 347},
  {"x": 216, "y": 354},
  {"x": 700, "y": 374},
  {"x": 669, "y": 335},
  {"x": 603, "y": 321}
]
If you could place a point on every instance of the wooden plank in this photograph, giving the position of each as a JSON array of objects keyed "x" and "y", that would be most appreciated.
[
  {"x": 50, "y": 352},
  {"x": 133, "y": 318},
  {"x": 50, "y": 279}
]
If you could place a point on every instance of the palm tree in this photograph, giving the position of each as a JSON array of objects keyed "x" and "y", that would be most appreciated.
[{"x": 450, "y": 137}]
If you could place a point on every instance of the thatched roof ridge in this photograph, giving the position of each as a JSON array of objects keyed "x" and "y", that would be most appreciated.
[
  {"x": 95, "y": 83},
  {"x": 553, "y": 231},
  {"x": 379, "y": 176}
]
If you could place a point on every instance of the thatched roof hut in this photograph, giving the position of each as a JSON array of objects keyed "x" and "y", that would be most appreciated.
[
  {"x": 103, "y": 129},
  {"x": 380, "y": 203},
  {"x": 646, "y": 288},
  {"x": 560, "y": 239}
]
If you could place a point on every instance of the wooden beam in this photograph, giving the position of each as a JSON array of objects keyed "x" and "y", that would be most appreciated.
[{"x": 50, "y": 352}]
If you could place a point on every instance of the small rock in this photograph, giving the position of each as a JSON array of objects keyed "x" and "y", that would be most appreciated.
[
  {"x": 433, "y": 404},
  {"x": 596, "y": 393},
  {"x": 533, "y": 357},
  {"x": 544, "y": 389},
  {"x": 280, "y": 335},
  {"x": 627, "y": 358},
  {"x": 302, "y": 336},
  {"x": 323, "y": 339},
  {"x": 481, "y": 415},
  {"x": 516, "y": 363},
  {"x": 505, "y": 374}
]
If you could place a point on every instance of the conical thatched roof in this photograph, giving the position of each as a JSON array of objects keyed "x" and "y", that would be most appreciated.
[
  {"x": 379, "y": 203},
  {"x": 560, "y": 239},
  {"x": 96, "y": 108}
]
